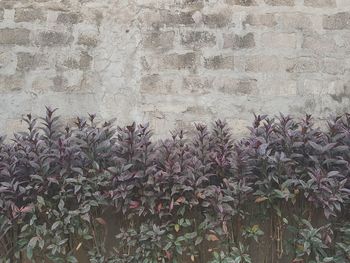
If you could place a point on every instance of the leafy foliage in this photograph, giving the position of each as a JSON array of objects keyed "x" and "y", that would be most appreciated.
[{"x": 175, "y": 200}]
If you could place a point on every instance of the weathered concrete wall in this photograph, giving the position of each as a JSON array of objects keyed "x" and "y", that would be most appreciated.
[{"x": 174, "y": 62}]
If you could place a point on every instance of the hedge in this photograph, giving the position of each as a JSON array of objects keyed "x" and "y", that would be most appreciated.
[{"x": 111, "y": 194}]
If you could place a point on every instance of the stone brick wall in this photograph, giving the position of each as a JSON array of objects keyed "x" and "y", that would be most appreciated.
[{"x": 174, "y": 62}]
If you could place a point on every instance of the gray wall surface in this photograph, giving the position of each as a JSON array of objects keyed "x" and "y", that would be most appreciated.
[{"x": 174, "y": 62}]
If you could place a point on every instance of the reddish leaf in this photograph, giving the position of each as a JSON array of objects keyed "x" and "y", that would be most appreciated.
[
  {"x": 101, "y": 221},
  {"x": 212, "y": 237},
  {"x": 134, "y": 204},
  {"x": 260, "y": 199},
  {"x": 181, "y": 200}
]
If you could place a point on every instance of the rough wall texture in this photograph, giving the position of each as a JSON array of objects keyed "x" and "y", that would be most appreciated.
[{"x": 173, "y": 62}]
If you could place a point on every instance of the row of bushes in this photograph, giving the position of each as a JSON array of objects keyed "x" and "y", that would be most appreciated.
[{"x": 195, "y": 197}]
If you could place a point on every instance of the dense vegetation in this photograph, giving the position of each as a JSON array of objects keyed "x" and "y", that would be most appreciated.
[{"x": 195, "y": 197}]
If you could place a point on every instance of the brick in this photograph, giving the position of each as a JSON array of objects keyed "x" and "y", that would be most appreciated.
[
  {"x": 158, "y": 40},
  {"x": 280, "y": 2},
  {"x": 172, "y": 61},
  {"x": 262, "y": 63},
  {"x": 198, "y": 39},
  {"x": 320, "y": 3},
  {"x": 15, "y": 125},
  {"x": 266, "y": 20},
  {"x": 7, "y": 62},
  {"x": 29, "y": 15},
  {"x": 343, "y": 3},
  {"x": 235, "y": 41},
  {"x": 85, "y": 61},
  {"x": 244, "y": 87},
  {"x": 303, "y": 65},
  {"x": 338, "y": 90},
  {"x": 28, "y": 61},
  {"x": 337, "y": 21},
  {"x": 322, "y": 44},
  {"x": 162, "y": 4},
  {"x": 179, "y": 18},
  {"x": 346, "y": 89},
  {"x": 217, "y": 20},
  {"x": 311, "y": 87},
  {"x": 182, "y": 124},
  {"x": 8, "y": 4},
  {"x": 219, "y": 62},
  {"x": 196, "y": 4},
  {"x": 155, "y": 84},
  {"x": 343, "y": 42},
  {"x": 341, "y": 91},
  {"x": 279, "y": 40},
  {"x": 11, "y": 83},
  {"x": 69, "y": 18},
  {"x": 14, "y": 36},
  {"x": 242, "y": 2},
  {"x": 69, "y": 81},
  {"x": 151, "y": 83},
  {"x": 1, "y": 14},
  {"x": 88, "y": 41},
  {"x": 183, "y": 61},
  {"x": 278, "y": 87},
  {"x": 164, "y": 106},
  {"x": 198, "y": 110},
  {"x": 239, "y": 126},
  {"x": 41, "y": 84},
  {"x": 294, "y": 21},
  {"x": 333, "y": 66},
  {"x": 197, "y": 85},
  {"x": 162, "y": 18},
  {"x": 60, "y": 83},
  {"x": 71, "y": 63},
  {"x": 76, "y": 80},
  {"x": 53, "y": 38},
  {"x": 233, "y": 86}
]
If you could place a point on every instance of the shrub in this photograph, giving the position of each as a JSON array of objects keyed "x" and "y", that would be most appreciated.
[{"x": 196, "y": 197}]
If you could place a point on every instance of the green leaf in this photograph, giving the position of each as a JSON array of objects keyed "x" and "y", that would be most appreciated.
[
  {"x": 127, "y": 167},
  {"x": 41, "y": 243},
  {"x": 63, "y": 241},
  {"x": 40, "y": 200},
  {"x": 29, "y": 252},
  {"x": 278, "y": 210},
  {"x": 179, "y": 250},
  {"x": 78, "y": 170},
  {"x": 72, "y": 259},
  {"x": 76, "y": 188},
  {"x": 37, "y": 177},
  {"x": 198, "y": 241},
  {"x": 95, "y": 165},
  {"x": 328, "y": 259},
  {"x": 55, "y": 225},
  {"x": 180, "y": 239},
  {"x": 31, "y": 245},
  {"x": 85, "y": 217},
  {"x": 279, "y": 193},
  {"x": 61, "y": 205},
  {"x": 190, "y": 235},
  {"x": 168, "y": 245},
  {"x": 216, "y": 255}
]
